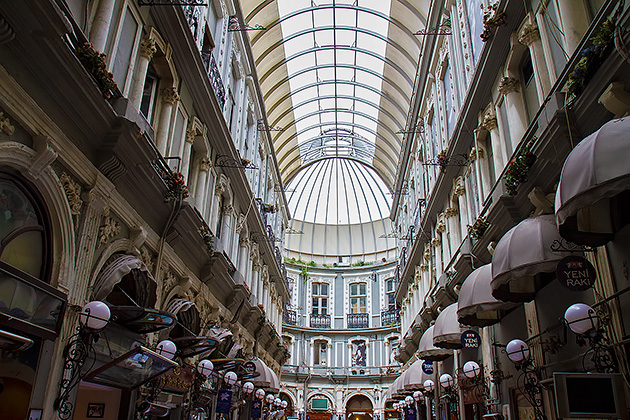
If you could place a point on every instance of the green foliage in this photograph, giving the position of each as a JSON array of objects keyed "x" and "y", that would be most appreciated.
[
  {"x": 591, "y": 58},
  {"x": 96, "y": 64},
  {"x": 519, "y": 168},
  {"x": 312, "y": 264}
]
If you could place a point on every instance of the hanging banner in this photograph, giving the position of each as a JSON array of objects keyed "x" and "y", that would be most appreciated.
[
  {"x": 224, "y": 401},
  {"x": 470, "y": 339},
  {"x": 410, "y": 413},
  {"x": 256, "y": 411},
  {"x": 427, "y": 367},
  {"x": 576, "y": 273}
]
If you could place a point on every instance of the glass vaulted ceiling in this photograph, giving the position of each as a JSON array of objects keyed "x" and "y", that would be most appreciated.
[{"x": 337, "y": 78}]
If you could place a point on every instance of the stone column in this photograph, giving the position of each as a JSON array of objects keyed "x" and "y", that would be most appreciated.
[
  {"x": 456, "y": 234},
  {"x": 460, "y": 193},
  {"x": 263, "y": 285},
  {"x": 255, "y": 280},
  {"x": 575, "y": 22},
  {"x": 190, "y": 140},
  {"x": 254, "y": 263},
  {"x": 169, "y": 98},
  {"x": 509, "y": 87},
  {"x": 101, "y": 24},
  {"x": 145, "y": 54},
  {"x": 227, "y": 232},
  {"x": 530, "y": 37},
  {"x": 243, "y": 259},
  {"x": 219, "y": 190},
  {"x": 202, "y": 179},
  {"x": 499, "y": 150}
]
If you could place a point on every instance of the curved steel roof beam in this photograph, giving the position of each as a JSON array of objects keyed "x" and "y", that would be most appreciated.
[
  {"x": 309, "y": 31},
  {"x": 376, "y": 106},
  {"x": 391, "y": 152},
  {"x": 335, "y": 48},
  {"x": 383, "y": 16},
  {"x": 391, "y": 83},
  {"x": 397, "y": 141},
  {"x": 399, "y": 108}
]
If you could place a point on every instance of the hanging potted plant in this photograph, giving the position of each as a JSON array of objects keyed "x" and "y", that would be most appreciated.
[
  {"x": 441, "y": 159},
  {"x": 95, "y": 63},
  {"x": 518, "y": 170},
  {"x": 177, "y": 189}
]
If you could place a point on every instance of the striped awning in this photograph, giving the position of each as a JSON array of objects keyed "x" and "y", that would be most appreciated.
[
  {"x": 428, "y": 351},
  {"x": 267, "y": 379}
]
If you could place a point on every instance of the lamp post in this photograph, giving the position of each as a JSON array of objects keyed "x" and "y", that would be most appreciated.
[
  {"x": 587, "y": 326},
  {"x": 93, "y": 318},
  {"x": 417, "y": 395},
  {"x": 429, "y": 386},
  {"x": 529, "y": 381}
]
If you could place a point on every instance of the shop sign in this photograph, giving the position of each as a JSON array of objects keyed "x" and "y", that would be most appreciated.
[
  {"x": 470, "y": 339},
  {"x": 427, "y": 367},
  {"x": 224, "y": 401},
  {"x": 576, "y": 273},
  {"x": 177, "y": 380},
  {"x": 256, "y": 411},
  {"x": 410, "y": 413}
]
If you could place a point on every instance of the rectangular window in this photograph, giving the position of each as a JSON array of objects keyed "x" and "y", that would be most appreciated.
[
  {"x": 149, "y": 93},
  {"x": 529, "y": 85},
  {"x": 505, "y": 128},
  {"x": 320, "y": 348},
  {"x": 555, "y": 36},
  {"x": 475, "y": 23},
  {"x": 448, "y": 97},
  {"x": 320, "y": 298},
  {"x": 177, "y": 141},
  {"x": 358, "y": 298},
  {"x": 129, "y": 33}
]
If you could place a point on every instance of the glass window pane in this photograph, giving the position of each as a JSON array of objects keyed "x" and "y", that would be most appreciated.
[
  {"x": 25, "y": 252},
  {"x": 324, "y": 289},
  {"x": 362, "y": 286},
  {"x": 315, "y": 287},
  {"x": 16, "y": 210},
  {"x": 124, "y": 50}
]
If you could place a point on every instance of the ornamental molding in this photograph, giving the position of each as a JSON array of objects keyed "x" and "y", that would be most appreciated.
[
  {"x": 490, "y": 120},
  {"x": 424, "y": 268},
  {"x": 170, "y": 96},
  {"x": 508, "y": 85},
  {"x": 73, "y": 194},
  {"x": 148, "y": 48},
  {"x": 451, "y": 212},
  {"x": 147, "y": 258},
  {"x": 5, "y": 125},
  {"x": 460, "y": 188},
  {"x": 435, "y": 242},
  {"x": 529, "y": 34},
  {"x": 108, "y": 229}
]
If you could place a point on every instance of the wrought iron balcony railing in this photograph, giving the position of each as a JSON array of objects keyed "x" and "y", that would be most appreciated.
[
  {"x": 289, "y": 317},
  {"x": 390, "y": 317},
  {"x": 320, "y": 321},
  {"x": 215, "y": 76},
  {"x": 358, "y": 321}
]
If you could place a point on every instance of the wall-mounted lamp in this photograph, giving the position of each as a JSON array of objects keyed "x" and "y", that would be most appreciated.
[
  {"x": 429, "y": 386},
  {"x": 93, "y": 318},
  {"x": 584, "y": 321},
  {"x": 529, "y": 381},
  {"x": 167, "y": 349}
]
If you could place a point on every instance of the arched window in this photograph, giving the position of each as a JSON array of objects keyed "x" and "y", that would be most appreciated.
[{"x": 24, "y": 237}]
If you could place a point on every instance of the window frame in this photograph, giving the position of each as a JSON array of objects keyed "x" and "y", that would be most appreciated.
[{"x": 127, "y": 5}]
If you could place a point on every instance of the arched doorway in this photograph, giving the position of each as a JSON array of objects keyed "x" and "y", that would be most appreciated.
[
  {"x": 359, "y": 407},
  {"x": 289, "y": 411}
]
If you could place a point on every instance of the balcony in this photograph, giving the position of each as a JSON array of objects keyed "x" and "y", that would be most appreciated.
[
  {"x": 358, "y": 321},
  {"x": 289, "y": 317},
  {"x": 320, "y": 321},
  {"x": 215, "y": 76},
  {"x": 390, "y": 317}
]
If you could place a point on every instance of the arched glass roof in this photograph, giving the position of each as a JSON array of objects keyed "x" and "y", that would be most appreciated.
[
  {"x": 337, "y": 78},
  {"x": 338, "y": 191}
]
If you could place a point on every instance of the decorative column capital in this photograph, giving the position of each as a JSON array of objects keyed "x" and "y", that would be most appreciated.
[
  {"x": 190, "y": 135},
  {"x": 147, "y": 48},
  {"x": 460, "y": 188},
  {"x": 529, "y": 34},
  {"x": 244, "y": 242},
  {"x": 228, "y": 210},
  {"x": 219, "y": 188},
  {"x": 205, "y": 164},
  {"x": 450, "y": 212},
  {"x": 490, "y": 120},
  {"x": 170, "y": 96},
  {"x": 435, "y": 242},
  {"x": 509, "y": 85}
]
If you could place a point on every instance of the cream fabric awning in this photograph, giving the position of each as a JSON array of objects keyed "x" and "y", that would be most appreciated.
[
  {"x": 115, "y": 270},
  {"x": 267, "y": 379},
  {"x": 447, "y": 333},
  {"x": 523, "y": 262},
  {"x": 428, "y": 351},
  {"x": 415, "y": 376},
  {"x": 476, "y": 305},
  {"x": 593, "y": 194}
]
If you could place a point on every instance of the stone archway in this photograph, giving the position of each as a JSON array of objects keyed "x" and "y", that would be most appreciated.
[{"x": 359, "y": 407}]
